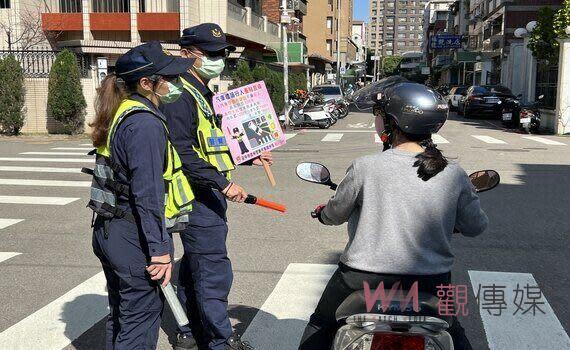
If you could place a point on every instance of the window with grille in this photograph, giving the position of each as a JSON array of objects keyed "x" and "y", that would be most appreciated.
[
  {"x": 4, "y": 4},
  {"x": 111, "y": 6}
]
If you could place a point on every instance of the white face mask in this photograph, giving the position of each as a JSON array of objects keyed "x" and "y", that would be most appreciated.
[{"x": 211, "y": 68}]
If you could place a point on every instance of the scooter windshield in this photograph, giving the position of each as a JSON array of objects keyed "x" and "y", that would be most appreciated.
[{"x": 365, "y": 98}]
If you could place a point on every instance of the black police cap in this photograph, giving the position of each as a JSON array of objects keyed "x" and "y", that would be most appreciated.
[
  {"x": 208, "y": 37},
  {"x": 150, "y": 59}
]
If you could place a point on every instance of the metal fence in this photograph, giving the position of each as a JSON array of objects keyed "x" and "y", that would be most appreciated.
[
  {"x": 546, "y": 84},
  {"x": 160, "y": 6},
  {"x": 237, "y": 12},
  {"x": 111, "y": 6},
  {"x": 37, "y": 64},
  {"x": 257, "y": 22}
]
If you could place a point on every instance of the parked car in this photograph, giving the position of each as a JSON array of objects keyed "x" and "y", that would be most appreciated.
[
  {"x": 484, "y": 100},
  {"x": 329, "y": 92},
  {"x": 454, "y": 95}
]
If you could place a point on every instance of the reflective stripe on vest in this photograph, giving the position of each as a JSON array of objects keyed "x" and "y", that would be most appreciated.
[
  {"x": 178, "y": 192},
  {"x": 213, "y": 146}
]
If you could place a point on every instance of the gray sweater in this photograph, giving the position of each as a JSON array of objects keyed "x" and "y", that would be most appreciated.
[{"x": 398, "y": 223}]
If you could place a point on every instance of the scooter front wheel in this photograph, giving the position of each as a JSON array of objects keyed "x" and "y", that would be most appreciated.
[{"x": 326, "y": 124}]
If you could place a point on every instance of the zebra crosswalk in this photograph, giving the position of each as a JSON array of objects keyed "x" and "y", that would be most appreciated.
[{"x": 509, "y": 139}]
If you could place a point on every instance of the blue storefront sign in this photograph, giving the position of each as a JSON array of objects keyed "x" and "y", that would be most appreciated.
[{"x": 446, "y": 41}]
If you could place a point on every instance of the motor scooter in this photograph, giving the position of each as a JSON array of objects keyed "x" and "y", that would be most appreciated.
[
  {"x": 301, "y": 114},
  {"x": 398, "y": 326}
]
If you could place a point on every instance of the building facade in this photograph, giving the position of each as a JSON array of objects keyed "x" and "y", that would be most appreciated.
[
  {"x": 395, "y": 26},
  {"x": 360, "y": 40},
  {"x": 324, "y": 20}
]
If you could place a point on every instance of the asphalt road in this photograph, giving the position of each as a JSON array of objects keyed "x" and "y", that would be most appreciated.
[{"x": 52, "y": 293}]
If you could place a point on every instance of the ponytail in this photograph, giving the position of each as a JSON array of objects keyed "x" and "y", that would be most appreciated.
[
  {"x": 431, "y": 161},
  {"x": 109, "y": 97}
]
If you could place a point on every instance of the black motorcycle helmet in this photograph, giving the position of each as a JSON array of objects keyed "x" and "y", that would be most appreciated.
[{"x": 415, "y": 108}]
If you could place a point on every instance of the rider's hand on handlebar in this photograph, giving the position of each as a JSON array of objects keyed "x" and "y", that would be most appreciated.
[{"x": 317, "y": 212}]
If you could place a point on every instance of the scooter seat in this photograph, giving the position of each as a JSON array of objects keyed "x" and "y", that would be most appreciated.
[
  {"x": 356, "y": 304},
  {"x": 313, "y": 109}
]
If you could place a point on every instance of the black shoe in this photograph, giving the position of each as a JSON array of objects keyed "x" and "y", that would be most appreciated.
[
  {"x": 185, "y": 342},
  {"x": 235, "y": 343}
]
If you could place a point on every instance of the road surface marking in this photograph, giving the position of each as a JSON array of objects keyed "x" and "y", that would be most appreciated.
[
  {"x": 86, "y": 144},
  {"x": 47, "y": 183},
  {"x": 9, "y": 222},
  {"x": 280, "y": 322},
  {"x": 289, "y": 136},
  {"x": 544, "y": 140},
  {"x": 438, "y": 139},
  {"x": 40, "y": 169},
  {"x": 377, "y": 138},
  {"x": 519, "y": 331},
  {"x": 332, "y": 137},
  {"x": 73, "y": 149},
  {"x": 36, "y": 200},
  {"x": 3, "y": 257},
  {"x": 60, "y": 322},
  {"x": 52, "y": 160},
  {"x": 55, "y": 153},
  {"x": 488, "y": 139},
  {"x": 345, "y": 131}
]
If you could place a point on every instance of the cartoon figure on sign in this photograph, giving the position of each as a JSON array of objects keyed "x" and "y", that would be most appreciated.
[
  {"x": 259, "y": 131},
  {"x": 238, "y": 135}
]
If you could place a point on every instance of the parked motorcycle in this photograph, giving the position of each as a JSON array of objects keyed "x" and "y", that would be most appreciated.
[
  {"x": 398, "y": 326},
  {"x": 308, "y": 114},
  {"x": 524, "y": 116}
]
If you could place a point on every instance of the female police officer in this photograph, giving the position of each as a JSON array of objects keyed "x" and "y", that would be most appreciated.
[{"x": 136, "y": 169}]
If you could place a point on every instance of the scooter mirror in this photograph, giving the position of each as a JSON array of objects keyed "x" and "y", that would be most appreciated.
[
  {"x": 314, "y": 172},
  {"x": 540, "y": 97},
  {"x": 485, "y": 180}
]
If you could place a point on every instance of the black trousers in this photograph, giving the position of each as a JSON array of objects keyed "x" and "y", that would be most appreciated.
[{"x": 319, "y": 333}]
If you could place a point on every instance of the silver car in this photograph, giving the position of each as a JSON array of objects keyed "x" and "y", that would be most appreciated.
[
  {"x": 455, "y": 95},
  {"x": 329, "y": 92}
]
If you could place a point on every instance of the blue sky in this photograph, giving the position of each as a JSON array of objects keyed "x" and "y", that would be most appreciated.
[{"x": 361, "y": 9}]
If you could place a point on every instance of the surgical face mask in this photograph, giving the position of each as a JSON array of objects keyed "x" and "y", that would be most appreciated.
[
  {"x": 175, "y": 90},
  {"x": 211, "y": 67}
]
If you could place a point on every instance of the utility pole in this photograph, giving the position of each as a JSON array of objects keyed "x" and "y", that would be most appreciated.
[
  {"x": 339, "y": 3},
  {"x": 284, "y": 22},
  {"x": 375, "y": 64}
]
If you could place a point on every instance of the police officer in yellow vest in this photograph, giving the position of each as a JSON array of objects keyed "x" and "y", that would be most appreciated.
[
  {"x": 205, "y": 274},
  {"x": 138, "y": 191}
]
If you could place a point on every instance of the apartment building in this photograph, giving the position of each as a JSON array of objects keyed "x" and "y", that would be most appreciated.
[
  {"x": 359, "y": 39},
  {"x": 395, "y": 26},
  {"x": 324, "y": 20}
]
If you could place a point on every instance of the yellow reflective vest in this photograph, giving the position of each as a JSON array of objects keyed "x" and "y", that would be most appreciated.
[
  {"x": 104, "y": 188},
  {"x": 213, "y": 146}
]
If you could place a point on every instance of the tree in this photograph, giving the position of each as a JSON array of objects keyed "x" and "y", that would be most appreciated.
[
  {"x": 242, "y": 75},
  {"x": 389, "y": 64},
  {"x": 542, "y": 41},
  {"x": 562, "y": 20},
  {"x": 297, "y": 81},
  {"x": 66, "y": 102},
  {"x": 26, "y": 32},
  {"x": 12, "y": 96},
  {"x": 274, "y": 82}
]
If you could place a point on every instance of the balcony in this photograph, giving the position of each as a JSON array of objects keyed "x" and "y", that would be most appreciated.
[
  {"x": 163, "y": 15},
  {"x": 243, "y": 23}
]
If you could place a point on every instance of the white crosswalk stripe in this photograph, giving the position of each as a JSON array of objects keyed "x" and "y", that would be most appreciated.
[
  {"x": 488, "y": 139},
  {"x": 332, "y": 137},
  {"x": 39, "y": 169},
  {"x": 3, "y": 257},
  {"x": 36, "y": 200},
  {"x": 377, "y": 139},
  {"x": 544, "y": 140},
  {"x": 48, "y": 183},
  {"x": 438, "y": 139},
  {"x": 516, "y": 330},
  {"x": 55, "y": 153},
  {"x": 47, "y": 160},
  {"x": 9, "y": 222},
  {"x": 289, "y": 136},
  {"x": 87, "y": 144},
  {"x": 55, "y": 329}
]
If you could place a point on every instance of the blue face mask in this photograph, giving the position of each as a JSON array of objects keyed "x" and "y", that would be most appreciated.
[{"x": 175, "y": 90}]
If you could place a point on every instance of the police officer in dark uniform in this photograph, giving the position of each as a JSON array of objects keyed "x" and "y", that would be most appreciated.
[
  {"x": 205, "y": 276},
  {"x": 128, "y": 193}
]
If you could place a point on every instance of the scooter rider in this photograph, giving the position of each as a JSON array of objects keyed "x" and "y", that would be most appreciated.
[
  {"x": 402, "y": 206},
  {"x": 205, "y": 276},
  {"x": 136, "y": 169}
]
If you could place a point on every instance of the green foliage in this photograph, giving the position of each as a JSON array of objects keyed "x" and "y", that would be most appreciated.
[
  {"x": 562, "y": 20},
  {"x": 542, "y": 41},
  {"x": 242, "y": 75},
  {"x": 66, "y": 102},
  {"x": 297, "y": 81},
  {"x": 389, "y": 64},
  {"x": 12, "y": 95}
]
